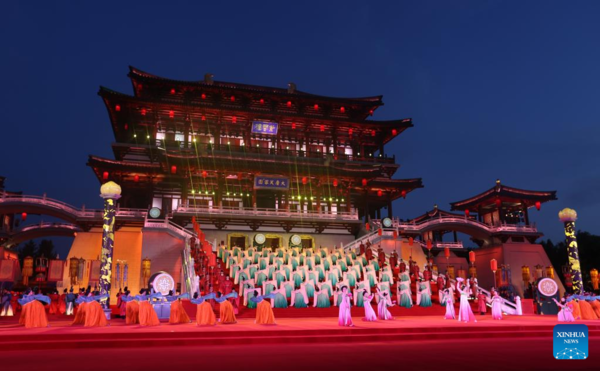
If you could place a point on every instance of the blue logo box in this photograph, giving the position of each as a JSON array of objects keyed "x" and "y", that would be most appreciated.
[{"x": 571, "y": 342}]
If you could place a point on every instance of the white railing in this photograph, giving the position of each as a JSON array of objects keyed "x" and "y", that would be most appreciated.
[
  {"x": 69, "y": 209},
  {"x": 47, "y": 225},
  {"x": 282, "y": 213},
  {"x": 417, "y": 227},
  {"x": 440, "y": 245}
]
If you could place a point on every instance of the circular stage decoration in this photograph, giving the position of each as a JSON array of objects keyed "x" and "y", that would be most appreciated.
[
  {"x": 387, "y": 222},
  {"x": 547, "y": 287},
  {"x": 163, "y": 283},
  {"x": 296, "y": 239},
  {"x": 154, "y": 212},
  {"x": 260, "y": 238}
]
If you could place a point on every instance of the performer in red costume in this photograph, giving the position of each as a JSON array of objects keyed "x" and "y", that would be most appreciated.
[
  {"x": 393, "y": 259},
  {"x": 381, "y": 257},
  {"x": 481, "y": 301},
  {"x": 402, "y": 266},
  {"x": 62, "y": 302},
  {"x": 53, "y": 307}
]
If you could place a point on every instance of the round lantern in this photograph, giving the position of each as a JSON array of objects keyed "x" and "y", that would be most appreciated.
[
  {"x": 526, "y": 274},
  {"x": 403, "y": 193},
  {"x": 335, "y": 182},
  {"x": 23, "y": 216},
  {"x": 304, "y": 180},
  {"x": 429, "y": 245},
  {"x": 467, "y": 213},
  {"x": 493, "y": 265},
  {"x": 472, "y": 257},
  {"x": 394, "y": 132},
  {"x": 289, "y": 103},
  {"x": 322, "y": 128},
  {"x": 367, "y": 227},
  {"x": 550, "y": 272},
  {"x": 411, "y": 241},
  {"x": 364, "y": 182},
  {"x": 447, "y": 252},
  {"x": 105, "y": 175},
  {"x": 380, "y": 231},
  {"x": 538, "y": 205},
  {"x": 173, "y": 169},
  {"x": 498, "y": 202},
  {"x": 595, "y": 280},
  {"x": 171, "y": 114},
  {"x": 136, "y": 178},
  {"x": 350, "y": 131},
  {"x": 204, "y": 173},
  {"x": 379, "y": 193}
]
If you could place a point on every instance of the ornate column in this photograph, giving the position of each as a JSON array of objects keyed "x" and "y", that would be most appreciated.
[
  {"x": 110, "y": 192},
  {"x": 569, "y": 216}
]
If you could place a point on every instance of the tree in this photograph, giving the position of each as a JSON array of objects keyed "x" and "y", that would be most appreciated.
[{"x": 46, "y": 249}]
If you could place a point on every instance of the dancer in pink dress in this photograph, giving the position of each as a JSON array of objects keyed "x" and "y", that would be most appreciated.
[
  {"x": 382, "y": 307},
  {"x": 370, "y": 315},
  {"x": 448, "y": 300},
  {"x": 345, "y": 318},
  {"x": 496, "y": 305},
  {"x": 465, "y": 314},
  {"x": 566, "y": 313}
]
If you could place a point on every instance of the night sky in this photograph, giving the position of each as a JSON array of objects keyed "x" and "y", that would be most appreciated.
[{"x": 496, "y": 89}]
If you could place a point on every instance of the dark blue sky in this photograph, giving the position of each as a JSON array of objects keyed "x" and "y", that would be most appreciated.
[{"x": 497, "y": 89}]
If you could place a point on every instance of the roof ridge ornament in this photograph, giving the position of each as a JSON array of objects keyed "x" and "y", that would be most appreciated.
[{"x": 291, "y": 88}]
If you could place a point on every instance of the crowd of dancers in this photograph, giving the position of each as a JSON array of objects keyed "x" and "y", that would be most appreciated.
[
  {"x": 280, "y": 278},
  {"x": 578, "y": 307}
]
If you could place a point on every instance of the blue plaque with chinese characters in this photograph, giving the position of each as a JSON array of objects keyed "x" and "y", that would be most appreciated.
[
  {"x": 264, "y": 127},
  {"x": 271, "y": 182}
]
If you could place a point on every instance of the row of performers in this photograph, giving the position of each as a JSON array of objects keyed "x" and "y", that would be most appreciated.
[{"x": 578, "y": 307}]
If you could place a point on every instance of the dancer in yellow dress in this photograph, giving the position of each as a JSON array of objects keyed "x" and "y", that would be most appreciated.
[
  {"x": 178, "y": 313},
  {"x": 226, "y": 313},
  {"x": 264, "y": 312},
  {"x": 205, "y": 316}
]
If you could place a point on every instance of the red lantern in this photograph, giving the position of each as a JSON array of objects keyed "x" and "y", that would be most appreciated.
[
  {"x": 262, "y": 101},
  {"x": 447, "y": 252},
  {"x": 23, "y": 216},
  {"x": 173, "y": 169},
  {"x": 171, "y": 114},
  {"x": 136, "y": 178},
  {"x": 143, "y": 112},
  {"x": 498, "y": 202},
  {"x": 379, "y": 193},
  {"x": 394, "y": 132},
  {"x": 411, "y": 241},
  {"x": 293, "y": 126},
  {"x": 538, "y": 205},
  {"x": 233, "y": 119},
  {"x": 403, "y": 193},
  {"x": 233, "y": 98},
  {"x": 172, "y": 91},
  {"x": 335, "y": 182},
  {"x": 429, "y": 245},
  {"x": 371, "y": 112},
  {"x": 350, "y": 132},
  {"x": 239, "y": 176},
  {"x": 203, "y": 118},
  {"x": 203, "y": 96},
  {"x": 472, "y": 256},
  {"x": 364, "y": 182},
  {"x": 204, "y": 173},
  {"x": 342, "y": 109},
  {"x": 373, "y": 133},
  {"x": 289, "y": 103},
  {"x": 367, "y": 227},
  {"x": 105, "y": 175},
  {"x": 304, "y": 180},
  {"x": 494, "y": 265},
  {"x": 322, "y": 128},
  {"x": 316, "y": 107},
  {"x": 380, "y": 231},
  {"x": 395, "y": 234},
  {"x": 117, "y": 108}
]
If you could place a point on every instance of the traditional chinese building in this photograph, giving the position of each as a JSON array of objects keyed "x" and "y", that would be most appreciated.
[{"x": 247, "y": 159}]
